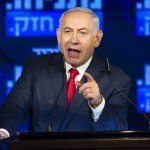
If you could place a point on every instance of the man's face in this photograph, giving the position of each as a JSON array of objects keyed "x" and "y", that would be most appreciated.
[{"x": 76, "y": 38}]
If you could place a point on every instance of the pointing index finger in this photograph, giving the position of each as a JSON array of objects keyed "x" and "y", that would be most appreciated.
[{"x": 89, "y": 77}]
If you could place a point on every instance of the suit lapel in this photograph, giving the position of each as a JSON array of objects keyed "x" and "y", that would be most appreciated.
[
  {"x": 58, "y": 77},
  {"x": 95, "y": 68}
]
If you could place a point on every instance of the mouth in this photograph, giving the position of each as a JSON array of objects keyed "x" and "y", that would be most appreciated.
[{"x": 74, "y": 51}]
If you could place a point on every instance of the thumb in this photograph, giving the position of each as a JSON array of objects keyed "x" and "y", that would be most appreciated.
[{"x": 78, "y": 83}]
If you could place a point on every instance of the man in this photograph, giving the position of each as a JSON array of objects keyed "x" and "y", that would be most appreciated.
[{"x": 41, "y": 92}]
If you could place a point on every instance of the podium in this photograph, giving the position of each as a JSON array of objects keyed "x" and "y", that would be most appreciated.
[{"x": 121, "y": 140}]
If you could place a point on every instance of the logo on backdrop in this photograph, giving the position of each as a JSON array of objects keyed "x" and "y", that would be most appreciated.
[
  {"x": 143, "y": 90},
  {"x": 143, "y": 18},
  {"x": 40, "y": 17}
]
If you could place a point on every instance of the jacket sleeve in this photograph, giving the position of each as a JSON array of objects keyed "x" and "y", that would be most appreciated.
[
  {"x": 16, "y": 107},
  {"x": 114, "y": 114}
]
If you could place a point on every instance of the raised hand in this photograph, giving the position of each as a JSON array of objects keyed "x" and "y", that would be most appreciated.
[{"x": 90, "y": 90}]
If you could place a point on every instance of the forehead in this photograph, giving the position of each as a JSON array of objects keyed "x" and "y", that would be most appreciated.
[{"x": 77, "y": 19}]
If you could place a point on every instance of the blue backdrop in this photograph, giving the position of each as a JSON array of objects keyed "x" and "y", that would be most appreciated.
[{"x": 27, "y": 27}]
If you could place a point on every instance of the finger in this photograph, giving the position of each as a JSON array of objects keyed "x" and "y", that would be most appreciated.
[
  {"x": 89, "y": 96},
  {"x": 85, "y": 86},
  {"x": 78, "y": 83},
  {"x": 89, "y": 77},
  {"x": 82, "y": 86},
  {"x": 86, "y": 92}
]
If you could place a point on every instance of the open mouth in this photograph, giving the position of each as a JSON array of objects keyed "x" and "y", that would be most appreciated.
[{"x": 73, "y": 51}]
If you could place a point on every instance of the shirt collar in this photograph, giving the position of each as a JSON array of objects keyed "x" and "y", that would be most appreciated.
[{"x": 81, "y": 69}]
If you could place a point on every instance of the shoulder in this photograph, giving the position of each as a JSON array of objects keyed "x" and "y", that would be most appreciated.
[
  {"x": 105, "y": 65},
  {"x": 44, "y": 58},
  {"x": 41, "y": 62},
  {"x": 120, "y": 77},
  {"x": 117, "y": 74}
]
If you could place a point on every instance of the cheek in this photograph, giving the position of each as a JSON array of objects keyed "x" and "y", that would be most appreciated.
[
  {"x": 88, "y": 50},
  {"x": 64, "y": 42},
  {"x": 89, "y": 46}
]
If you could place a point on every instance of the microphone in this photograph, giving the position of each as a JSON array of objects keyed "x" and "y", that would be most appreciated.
[{"x": 109, "y": 75}]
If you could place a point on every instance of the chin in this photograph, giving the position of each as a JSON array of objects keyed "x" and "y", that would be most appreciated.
[
  {"x": 74, "y": 64},
  {"x": 74, "y": 61}
]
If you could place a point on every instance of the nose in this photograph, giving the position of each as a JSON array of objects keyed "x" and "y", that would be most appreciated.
[{"x": 74, "y": 39}]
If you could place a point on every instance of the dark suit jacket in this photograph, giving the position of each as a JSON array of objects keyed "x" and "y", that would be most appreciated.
[{"x": 40, "y": 93}]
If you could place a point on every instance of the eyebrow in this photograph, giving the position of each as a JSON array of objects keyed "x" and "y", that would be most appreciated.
[
  {"x": 67, "y": 28},
  {"x": 84, "y": 28}
]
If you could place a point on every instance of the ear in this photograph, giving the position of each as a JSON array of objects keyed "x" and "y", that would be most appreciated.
[
  {"x": 58, "y": 33},
  {"x": 98, "y": 38}
]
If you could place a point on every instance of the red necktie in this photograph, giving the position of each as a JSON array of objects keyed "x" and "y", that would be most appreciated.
[{"x": 71, "y": 87}]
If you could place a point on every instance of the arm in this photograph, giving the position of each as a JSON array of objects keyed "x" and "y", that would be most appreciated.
[
  {"x": 15, "y": 109},
  {"x": 114, "y": 113}
]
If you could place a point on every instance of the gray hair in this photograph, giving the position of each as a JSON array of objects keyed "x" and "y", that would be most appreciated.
[{"x": 86, "y": 10}]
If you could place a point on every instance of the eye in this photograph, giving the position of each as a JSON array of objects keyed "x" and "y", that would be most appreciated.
[
  {"x": 83, "y": 32},
  {"x": 67, "y": 31}
]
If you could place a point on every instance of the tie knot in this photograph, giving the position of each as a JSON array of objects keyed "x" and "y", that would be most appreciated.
[{"x": 73, "y": 72}]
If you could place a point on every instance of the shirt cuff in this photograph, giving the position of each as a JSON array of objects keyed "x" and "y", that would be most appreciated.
[
  {"x": 5, "y": 131},
  {"x": 96, "y": 112}
]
